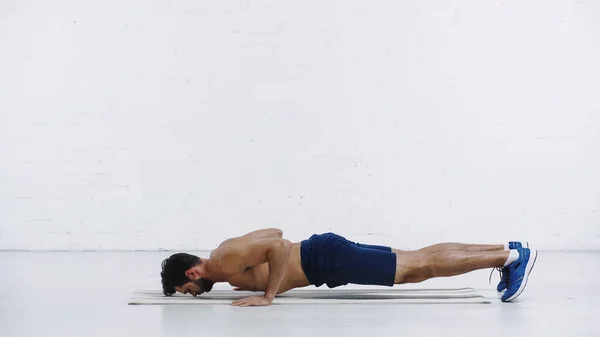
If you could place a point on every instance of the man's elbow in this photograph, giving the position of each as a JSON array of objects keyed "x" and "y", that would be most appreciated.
[
  {"x": 283, "y": 246},
  {"x": 271, "y": 233},
  {"x": 275, "y": 233}
]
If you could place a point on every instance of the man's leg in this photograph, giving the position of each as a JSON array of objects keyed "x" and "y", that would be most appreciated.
[
  {"x": 377, "y": 265},
  {"x": 453, "y": 246},
  {"x": 414, "y": 267}
]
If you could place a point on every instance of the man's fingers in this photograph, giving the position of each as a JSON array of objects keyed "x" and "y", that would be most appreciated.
[
  {"x": 250, "y": 301},
  {"x": 238, "y": 302},
  {"x": 242, "y": 303}
]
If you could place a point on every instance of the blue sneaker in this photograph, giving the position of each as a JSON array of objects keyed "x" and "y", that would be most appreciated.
[
  {"x": 518, "y": 273},
  {"x": 517, "y": 245},
  {"x": 503, "y": 278},
  {"x": 504, "y": 270}
]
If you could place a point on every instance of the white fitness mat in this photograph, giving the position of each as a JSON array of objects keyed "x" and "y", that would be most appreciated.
[{"x": 315, "y": 296}]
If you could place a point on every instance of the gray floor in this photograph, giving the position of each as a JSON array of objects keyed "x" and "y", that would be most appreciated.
[{"x": 85, "y": 294}]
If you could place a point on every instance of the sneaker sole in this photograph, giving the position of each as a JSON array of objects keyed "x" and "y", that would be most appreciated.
[{"x": 528, "y": 269}]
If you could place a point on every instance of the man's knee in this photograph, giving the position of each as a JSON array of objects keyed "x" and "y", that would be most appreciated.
[{"x": 413, "y": 269}]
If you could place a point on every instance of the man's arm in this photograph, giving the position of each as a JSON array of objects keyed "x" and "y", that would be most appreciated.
[
  {"x": 236, "y": 258},
  {"x": 266, "y": 233}
]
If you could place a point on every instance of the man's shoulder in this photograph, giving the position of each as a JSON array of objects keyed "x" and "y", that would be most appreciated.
[{"x": 225, "y": 242}]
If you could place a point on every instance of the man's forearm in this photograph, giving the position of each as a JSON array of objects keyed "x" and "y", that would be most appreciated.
[{"x": 278, "y": 258}]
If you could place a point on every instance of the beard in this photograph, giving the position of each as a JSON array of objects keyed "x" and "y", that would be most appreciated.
[{"x": 204, "y": 285}]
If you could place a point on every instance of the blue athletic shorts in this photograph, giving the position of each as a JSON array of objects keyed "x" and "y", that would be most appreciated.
[{"x": 331, "y": 259}]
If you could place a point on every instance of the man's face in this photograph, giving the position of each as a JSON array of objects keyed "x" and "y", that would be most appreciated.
[
  {"x": 196, "y": 287},
  {"x": 189, "y": 288}
]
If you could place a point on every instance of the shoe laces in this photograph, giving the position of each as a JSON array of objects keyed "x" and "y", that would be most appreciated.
[{"x": 502, "y": 272}]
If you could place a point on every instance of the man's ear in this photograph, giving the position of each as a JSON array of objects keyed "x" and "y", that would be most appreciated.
[{"x": 192, "y": 274}]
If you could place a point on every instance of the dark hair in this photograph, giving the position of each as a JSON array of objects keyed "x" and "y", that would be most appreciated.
[{"x": 173, "y": 271}]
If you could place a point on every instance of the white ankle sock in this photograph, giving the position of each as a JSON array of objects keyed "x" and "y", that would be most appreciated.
[{"x": 512, "y": 257}]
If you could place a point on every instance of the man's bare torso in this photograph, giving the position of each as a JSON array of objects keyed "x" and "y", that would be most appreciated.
[{"x": 255, "y": 278}]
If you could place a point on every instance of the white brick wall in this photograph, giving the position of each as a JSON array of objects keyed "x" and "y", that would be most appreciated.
[{"x": 174, "y": 124}]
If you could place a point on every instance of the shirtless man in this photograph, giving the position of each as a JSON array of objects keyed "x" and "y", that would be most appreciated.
[{"x": 263, "y": 261}]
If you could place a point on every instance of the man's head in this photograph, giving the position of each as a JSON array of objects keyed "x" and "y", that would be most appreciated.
[{"x": 183, "y": 273}]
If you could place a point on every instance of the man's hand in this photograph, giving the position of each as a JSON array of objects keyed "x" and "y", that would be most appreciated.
[{"x": 252, "y": 301}]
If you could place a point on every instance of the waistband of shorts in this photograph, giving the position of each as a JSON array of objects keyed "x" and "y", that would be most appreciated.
[{"x": 305, "y": 260}]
